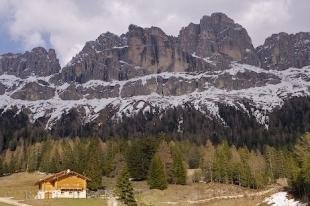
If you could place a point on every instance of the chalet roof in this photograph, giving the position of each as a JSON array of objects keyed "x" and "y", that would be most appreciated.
[{"x": 59, "y": 175}]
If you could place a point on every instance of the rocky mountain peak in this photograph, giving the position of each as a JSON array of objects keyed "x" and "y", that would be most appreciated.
[
  {"x": 218, "y": 34},
  {"x": 139, "y": 52},
  {"x": 283, "y": 50},
  {"x": 38, "y": 61},
  {"x": 216, "y": 19},
  {"x": 137, "y": 31},
  {"x": 109, "y": 40}
]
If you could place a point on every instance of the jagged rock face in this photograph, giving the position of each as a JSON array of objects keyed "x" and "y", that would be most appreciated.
[
  {"x": 151, "y": 49},
  {"x": 34, "y": 91},
  {"x": 98, "y": 59},
  {"x": 70, "y": 93},
  {"x": 281, "y": 51},
  {"x": 139, "y": 52},
  {"x": 218, "y": 34},
  {"x": 37, "y": 62},
  {"x": 157, "y": 84}
]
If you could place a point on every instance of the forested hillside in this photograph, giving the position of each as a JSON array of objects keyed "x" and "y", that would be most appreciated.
[
  {"x": 286, "y": 124},
  {"x": 163, "y": 162}
]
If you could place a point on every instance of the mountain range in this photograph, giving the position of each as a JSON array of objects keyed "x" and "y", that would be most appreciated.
[{"x": 207, "y": 82}]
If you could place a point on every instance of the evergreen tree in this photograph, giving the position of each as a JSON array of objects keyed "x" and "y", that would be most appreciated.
[
  {"x": 45, "y": 155},
  {"x": 156, "y": 174},
  {"x": 118, "y": 164},
  {"x": 139, "y": 157},
  {"x": 258, "y": 169},
  {"x": 93, "y": 167},
  {"x": 208, "y": 159},
  {"x": 113, "y": 160},
  {"x": 300, "y": 177},
  {"x": 68, "y": 157},
  {"x": 221, "y": 162},
  {"x": 80, "y": 159},
  {"x": 165, "y": 155},
  {"x": 275, "y": 162},
  {"x": 33, "y": 158},
  {"x": 194, "y": 157},
  {"x": 235, "y": 166},
  {"x": 246, "y": 179},
  {"x": 55, "y": 164},
  {"x": 124, "y": 188},
  {"x": 178, "y": 168}
]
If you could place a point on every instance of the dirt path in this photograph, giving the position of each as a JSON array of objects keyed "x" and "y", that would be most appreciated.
[
  {"x": 225, "y": 197},
  {"x": 11, "y": 201}
]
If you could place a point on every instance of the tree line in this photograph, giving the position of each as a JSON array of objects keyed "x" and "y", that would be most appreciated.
[{"x": 161, "y": 162}]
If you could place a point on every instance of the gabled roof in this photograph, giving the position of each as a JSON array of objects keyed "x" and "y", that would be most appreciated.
[{"x": 61, "y": 174}]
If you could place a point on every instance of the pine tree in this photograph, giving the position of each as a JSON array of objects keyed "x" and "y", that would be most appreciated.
[
  {"x": 93, "y": 167},
  {"x": 68, "y": 157},
  {"x": 113, "y": 160},
  {"x": 79, "y": 157},
  {"x": 139, "y": 157},
  {"x": 45, "y": 155},
  {"x": 208, "y": 159},
  {"x": 300, "y": 178},
  {"x": 178, "y": 168},
  {"x": 156, "y": 174},
  {"x": 221, "y": 162},
  {"x": 124, "y": 188},
  {"x": 194, "y": 157},
  {"x": 55, "y": 165},
  {"x": 270, "y": 155},
  {"x": 165, "y": 155},
  {"x": 258, "y": 169},
  {"x": 246, "y": 179},
  {"x": 33, "y": 158},
  {"x": 235, "y": 165}
]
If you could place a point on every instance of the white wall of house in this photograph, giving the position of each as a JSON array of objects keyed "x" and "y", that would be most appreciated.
[{"x": 63, "y": 194}]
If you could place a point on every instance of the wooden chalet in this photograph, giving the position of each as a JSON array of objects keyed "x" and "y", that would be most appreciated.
[{"x": 65, "y": 184}]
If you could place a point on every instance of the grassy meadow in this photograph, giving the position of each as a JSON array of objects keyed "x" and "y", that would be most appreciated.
[{"x": 21, "y": 187}]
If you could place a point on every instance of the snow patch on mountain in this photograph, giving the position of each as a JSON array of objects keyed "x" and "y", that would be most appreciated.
[{"x": 263, "y": 99}]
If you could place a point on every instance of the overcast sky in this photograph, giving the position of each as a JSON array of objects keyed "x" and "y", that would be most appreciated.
[{"x": 67, "y": 24}]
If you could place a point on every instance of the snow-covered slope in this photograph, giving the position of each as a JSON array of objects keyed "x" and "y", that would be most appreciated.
[
  {"x": 267, "y": 91},
  {"x": 281, "y": 199}
]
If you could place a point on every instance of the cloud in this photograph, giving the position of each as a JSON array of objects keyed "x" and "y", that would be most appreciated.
[
  {"x": 67, "y": 24},
  {"x": 265, "y": 15}
]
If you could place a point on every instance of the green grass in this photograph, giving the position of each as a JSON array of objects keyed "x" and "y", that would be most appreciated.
[
  {"x": 68, "y": 202},
  {"x": 182, "y": 193},
  {"x": 19, "y": 185}
]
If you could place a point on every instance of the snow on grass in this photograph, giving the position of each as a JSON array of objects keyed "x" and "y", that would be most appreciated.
[{"x": 281, "y": 199}]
